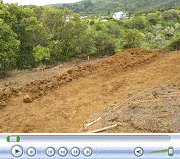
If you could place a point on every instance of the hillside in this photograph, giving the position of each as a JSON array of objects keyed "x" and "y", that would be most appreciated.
[
  {"x": 103, "y": 6},
  {"x": 137, "y": 90}
]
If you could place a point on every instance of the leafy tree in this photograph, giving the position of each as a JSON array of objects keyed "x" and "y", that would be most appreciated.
[
  {"x": 8, "y": 18},
  {"x": 153, "y": 18},
  {"x": 160, "y": 41},
  {"x": 85, "y": 43},
  {"x": 149, "y": 37},
  {"x": 170, "y": 16},
  {"x": 72, "y": 31},
  {"x": 156, "y": 29},
  {"x": 53, "y": 20},
  {"x": 157, "y": 36},
  {"x": 37, "y": 10},
  {"x": 169, "y": 32},
  {"x": 56, "y": 50},
  {"x": 68, "y": 38},
  {"x": 36, "y": 31},
  {"x": 8, "y": 46},
  {"x": 100, "y": 26},
  {"x": 119, "y": 22},
  {"x": 139, "y": 22},
  {"x": 133, "y": 38},
  {"x": 103, "y": 43},
  {"x": 25, "y": 58},
  {"x": 139, "y": 13},
  {"x": 41, "y": 54},
  {"x": 31, "y": 33},
  {"x": 177, "y": 28},
  {"x": 113, "y": 28},
  {"x": 174, "y": 43}
]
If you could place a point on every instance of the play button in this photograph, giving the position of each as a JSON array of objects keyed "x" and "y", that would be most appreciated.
[
  {"x": 17, "y": 151},
  {"x": 138, "y": 151}
]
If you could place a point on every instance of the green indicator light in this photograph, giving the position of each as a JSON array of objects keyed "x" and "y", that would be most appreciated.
[
  {"x": 8, "y": 139},
  {"x": 170, "y": 151},
  {"x": 18, "y": 138},
  {"x": 13, "y": 139}
]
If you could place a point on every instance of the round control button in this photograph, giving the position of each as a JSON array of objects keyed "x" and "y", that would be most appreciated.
[
  {"x": 75, "y": 152},
  {"x": 50, "y": 151},
  {"x": 17, "y": 151},
  {"x": 31, "y": 151},
  {"x": 138, "y": 151},
  {"x": 87, "y": 151},
  {"x": 63, "y": 151}
]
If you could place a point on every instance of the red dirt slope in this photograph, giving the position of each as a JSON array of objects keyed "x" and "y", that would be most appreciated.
[{"x": 63, "y": 102}]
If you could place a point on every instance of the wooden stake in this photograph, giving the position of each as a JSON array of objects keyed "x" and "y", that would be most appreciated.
[
  {"x": 103, "y": 129},
  {"x": 89, "y": 124}
]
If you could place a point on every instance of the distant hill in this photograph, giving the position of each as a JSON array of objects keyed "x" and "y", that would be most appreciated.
[{"x": 103, "y": 6}]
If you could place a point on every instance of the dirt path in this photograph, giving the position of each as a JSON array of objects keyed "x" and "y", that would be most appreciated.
[{"x": 65, "y": 101}]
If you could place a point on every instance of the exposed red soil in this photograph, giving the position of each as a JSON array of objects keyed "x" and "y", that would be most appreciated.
[{"x": 64, "y": 100}]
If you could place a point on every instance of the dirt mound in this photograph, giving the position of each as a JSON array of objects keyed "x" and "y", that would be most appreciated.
[
  {"x": 130, "y": 59},
  {"x": 39, "y": 88},
  {"x": 120, "y": 62},
  {"x": 20, "y": 82}
]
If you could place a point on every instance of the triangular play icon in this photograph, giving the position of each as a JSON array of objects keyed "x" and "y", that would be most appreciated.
[
  {"x": 16, "y": 151},
  {"x": 139, "y": 151}
]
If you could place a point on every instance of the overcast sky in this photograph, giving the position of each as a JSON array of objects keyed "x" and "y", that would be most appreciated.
[{"x": 39, "y": 2}]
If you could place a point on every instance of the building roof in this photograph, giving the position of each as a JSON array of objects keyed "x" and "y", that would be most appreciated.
[
  {"x": 104, "y": 20},
  {"x": 119, "y": 13}
]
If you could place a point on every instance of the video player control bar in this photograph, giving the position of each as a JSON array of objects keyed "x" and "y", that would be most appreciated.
[{"x": 81, "y": 147}]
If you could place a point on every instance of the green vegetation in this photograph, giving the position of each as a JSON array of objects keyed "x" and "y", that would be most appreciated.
[
  {"x": 133, "y": 38},
  {"x": 138, "y": 22},
  {"x": 32, "y": 35},
  {"x": 106, "y": 7},
  {"x": 41, "y": 54},
  {"x": 174, "y": 43},
  {"x": 9, "y": 46}
]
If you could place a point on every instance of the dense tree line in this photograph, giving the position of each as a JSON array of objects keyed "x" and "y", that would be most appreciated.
[
  {"x": 32, "y": 35},
  {"x": 102, "y": 7}
]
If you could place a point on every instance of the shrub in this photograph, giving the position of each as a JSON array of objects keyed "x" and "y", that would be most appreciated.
[
  {"x": 41, "y": 54},
  {"x": 174, "y": 44},
  {"x": 133, "y": 38},
  {"x": 103, "y": 43},
  {"x": 137, "y": 22},
  {"x": 113, "y": 28},
  {"x": 170, "y": 16},
  {"x": 153, "y": 18},
  {"x": 99, "y": 26}
]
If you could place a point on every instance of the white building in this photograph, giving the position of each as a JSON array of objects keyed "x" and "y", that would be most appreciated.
[
  {"x": 83, "y": 17},
  {"x": 104, "y": 20},
  {"x": 119, "y": 15},
  {"x": 67, "y": 19}
]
